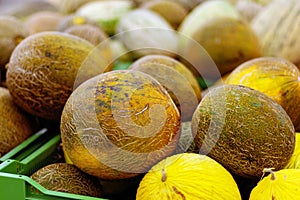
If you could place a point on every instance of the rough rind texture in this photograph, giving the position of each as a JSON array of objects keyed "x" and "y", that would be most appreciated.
[
  {"x": 44, "y": 69},
  {"x": 15, "y": 126},
  {"x": 244, "y": 130},
  {"x": 188, "y": 176},
  {"x": 276, "y": 77},
  {"x": 63, "y": 177},
  {"x": 118, "y": 124},
  {"x": 182, "y": 86}
]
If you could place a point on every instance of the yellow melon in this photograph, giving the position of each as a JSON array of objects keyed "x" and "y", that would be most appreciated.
[{"x": 188, "y": 176}]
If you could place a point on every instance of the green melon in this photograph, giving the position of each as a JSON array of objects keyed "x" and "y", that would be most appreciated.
[{"x": 244, "y": 130}]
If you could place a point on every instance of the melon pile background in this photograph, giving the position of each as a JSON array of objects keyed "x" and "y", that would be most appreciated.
[{"x": 211, "y": 38}]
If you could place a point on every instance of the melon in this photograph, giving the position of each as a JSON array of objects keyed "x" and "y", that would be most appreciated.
[
  {"x": 294, "y": 162},
  {"x": 15, "y": 125},
  {"x": 63, "y": 177},
  {"x": 12, "y": 32},
  {"x": 73, "y": 20},
  {"x": 46, "y": 67},
  {"x": 276, "y": 77},
  {"x": 145, "y": 32},
  {"x": 244, "y": 130},
  {"x": 179, "y": 81},
  {"x": 219, "y": 28},
  {"x": 106, "y": 13},
  {"x": 188, "y": 176},
  {"x": 42, "y": 21},
  {"x": 282, "y": 184},
  {"x": 118, "y": 124},
  {"x": 172, "y": 11},
  {"x": 277, "y": 27}
]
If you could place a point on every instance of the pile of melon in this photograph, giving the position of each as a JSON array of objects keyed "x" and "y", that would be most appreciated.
[{"x": 157, "y": 99}]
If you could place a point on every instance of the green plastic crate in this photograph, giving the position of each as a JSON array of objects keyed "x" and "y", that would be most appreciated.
[{"x": 17, "y": 165}]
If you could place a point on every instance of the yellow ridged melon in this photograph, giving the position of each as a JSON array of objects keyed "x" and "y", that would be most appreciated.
[
  {"x": 188, "y": 176},
  {"x": 282, "y": 185}
]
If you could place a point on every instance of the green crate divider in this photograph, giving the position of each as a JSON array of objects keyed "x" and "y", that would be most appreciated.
[
  {"x": 19, "y": 187},
  {"x": 15, "y": 182}
]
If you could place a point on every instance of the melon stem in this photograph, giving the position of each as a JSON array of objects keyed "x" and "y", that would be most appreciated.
[
  {"x": 164, "y": 175},
  {"x": 270, "y": 170}
]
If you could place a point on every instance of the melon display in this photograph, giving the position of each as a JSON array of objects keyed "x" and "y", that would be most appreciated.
[
  {"x": 118, "y": 124},
  {"x": 188, "y": 176},
  {"x": 244, "y": 130},
  {"x": 282, "y": 184},
  {"x": 46, "y": 67},
  {"x": 277, "y": 27},
  {"x": 276, "y": 77}
]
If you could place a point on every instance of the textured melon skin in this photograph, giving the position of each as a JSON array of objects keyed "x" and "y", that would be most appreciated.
[
  {"x": 118, "y": 124},
  {"x": 188, "y": 176},
  {"x": 276, "y": 77},
  {"x": 179, "y": 81},
  {"x": 277, "y": 27},
  {"x": 63, "y": 177},
  {"x": 244, "y": 130},
  {"x": 15, "y": 125},
  {"x": 44, "y": 69}
]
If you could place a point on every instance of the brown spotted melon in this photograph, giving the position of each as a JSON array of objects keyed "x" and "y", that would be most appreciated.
[{"x": 118, "y": 124}]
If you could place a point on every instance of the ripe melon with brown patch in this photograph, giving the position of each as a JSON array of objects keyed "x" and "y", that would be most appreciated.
[
  {"x": 63, "y": 177},
  {"x": 15, "y": 125},
  {"x": 244, "y": 130},
  {"x": 118, "y": 124},
  {"x": 46, "y": 67}
]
